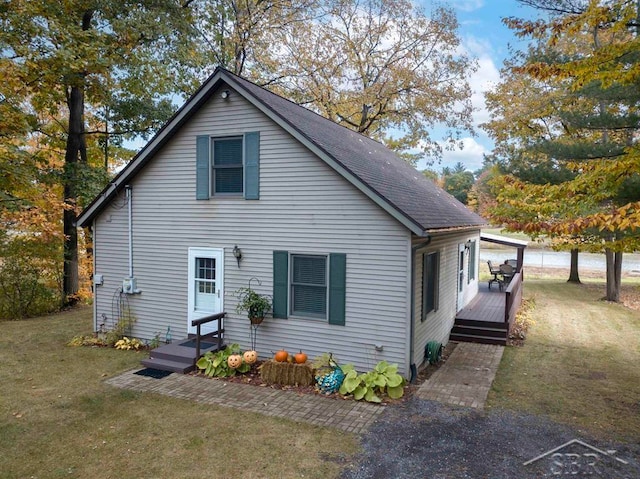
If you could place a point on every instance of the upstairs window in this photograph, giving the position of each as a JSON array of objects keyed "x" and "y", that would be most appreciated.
[{"x": 227, "y": 166}]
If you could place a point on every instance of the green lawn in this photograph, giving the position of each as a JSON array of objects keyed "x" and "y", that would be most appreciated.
[
  {"x": 59, "y": 419},
  {"x": 580, "y": 364}
]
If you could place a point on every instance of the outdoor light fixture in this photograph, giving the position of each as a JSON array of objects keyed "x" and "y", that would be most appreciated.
[
  {"x": 467, "y": 245},
  {"x": 237, "y": 253},
  {"x": 225, "y": 94}
]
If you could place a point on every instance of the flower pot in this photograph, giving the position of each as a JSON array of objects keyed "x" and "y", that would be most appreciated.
[{"x": 257, "y": 320}]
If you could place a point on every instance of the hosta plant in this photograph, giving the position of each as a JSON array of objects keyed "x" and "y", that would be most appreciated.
[
  {"x": 216, "y": 364},
  {"x": 383, "y": 379},
  {"x": 128, "y": 344}
]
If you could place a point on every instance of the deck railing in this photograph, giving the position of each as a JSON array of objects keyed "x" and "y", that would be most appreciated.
[
  {"x": 199, "y": 322},
  {"x": 513, "y": 298}
]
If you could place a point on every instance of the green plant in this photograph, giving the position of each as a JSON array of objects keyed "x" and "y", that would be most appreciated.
[
  {"x": 155, "y": 342},
  {"x": 121, "y": 329},
  {"x": 216, "y": 365},
  {"x": 383, "y": 379},
  {"x": 254, "y": 304},
  {"x": 128, "y": 344},
  {"x": 88, "y": 340}
]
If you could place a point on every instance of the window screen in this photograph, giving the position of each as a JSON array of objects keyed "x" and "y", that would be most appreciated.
[
  {"x": 227, "y": 166},
  {"x": 309, "y": 285}
]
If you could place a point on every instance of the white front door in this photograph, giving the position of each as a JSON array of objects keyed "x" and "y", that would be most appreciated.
[
  {"x": 205, "y": 286},
  {"x": 461, "y": 281}
]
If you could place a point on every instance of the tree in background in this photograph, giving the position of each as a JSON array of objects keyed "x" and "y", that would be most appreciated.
[
  {"x": 380, "y": 67},
  {"x": 588, "y": 61},
  {"x": 458, "y": 181},
  {"x": 79, "y": 63},
  {"x": 237, "y": 34}
]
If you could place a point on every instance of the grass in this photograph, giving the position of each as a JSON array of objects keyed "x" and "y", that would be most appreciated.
[
  {"x": 579, "y": 364},
  {"x": 59, "y": 419}
]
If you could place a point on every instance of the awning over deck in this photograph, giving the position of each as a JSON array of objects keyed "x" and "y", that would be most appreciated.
[{"x": 520, "y": 245}]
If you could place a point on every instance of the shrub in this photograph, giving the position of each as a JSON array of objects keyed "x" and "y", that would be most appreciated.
[{"x": 25, "y": 289}]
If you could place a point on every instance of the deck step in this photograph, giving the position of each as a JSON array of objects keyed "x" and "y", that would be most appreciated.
[
  {"x": 484, "y": 324},
  {"x": 166, "y": 365},
  {"x": 177, "y": 357},
  {"x": 474, "y": 338},
  {"x": 480, "y": 331}
]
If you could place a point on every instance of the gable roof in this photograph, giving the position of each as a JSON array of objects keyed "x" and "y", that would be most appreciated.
[{"x": 378, "y": 172}]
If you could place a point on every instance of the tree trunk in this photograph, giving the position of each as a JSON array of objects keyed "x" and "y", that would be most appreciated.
[
  {"x": 614, "y": 275},
  {"x": 75, "y": 153},
  {"x": 574, "y": 277}
]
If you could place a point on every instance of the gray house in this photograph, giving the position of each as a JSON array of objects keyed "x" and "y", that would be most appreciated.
[{"x": 364, "y": 257}]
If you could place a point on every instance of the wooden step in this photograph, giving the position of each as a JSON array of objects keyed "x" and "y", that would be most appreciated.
[
  {"x": 177, "y": 357},
  {"x": 167, "y": 365},
  {"x": 480, "y": 331},
  {"x": 483, "y": 324},
  {"x": 475, "y": 338}
]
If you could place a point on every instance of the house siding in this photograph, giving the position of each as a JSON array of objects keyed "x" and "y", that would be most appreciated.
[
  {"x": 304, "y": 207},
  {"x": 438, "y": 324}
]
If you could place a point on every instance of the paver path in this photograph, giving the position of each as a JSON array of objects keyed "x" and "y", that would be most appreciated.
[
  {"x": 351, "y": 416},
  {"x": 466, "y": 377},
  {"x": 463, "y": 380}
]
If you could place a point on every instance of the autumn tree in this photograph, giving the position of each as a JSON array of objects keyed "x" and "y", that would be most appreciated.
[
  {"x": 458, "y": 181},
  {"x": 237, "y": 34},
  {"x": 590, "y": 62},
  {"x": 83, "y": 63},
  {"x": 383, "y": 68}
]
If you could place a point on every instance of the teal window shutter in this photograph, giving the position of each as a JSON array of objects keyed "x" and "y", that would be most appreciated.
[
  {"x": 280, "y": 284},
  {"x": 202, "y": 167},
  {"x": 252, "y": 165},
  {"x": 337, "y": 288}
]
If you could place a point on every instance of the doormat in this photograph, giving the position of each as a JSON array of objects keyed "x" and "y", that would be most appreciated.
[{"x": 153, "y": 373}]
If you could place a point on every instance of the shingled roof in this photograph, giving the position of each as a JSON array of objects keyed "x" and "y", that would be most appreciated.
[{"x": 377, "y": 171}]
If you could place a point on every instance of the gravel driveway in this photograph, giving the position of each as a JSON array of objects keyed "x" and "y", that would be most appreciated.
[{"x": 425, "y": 439}]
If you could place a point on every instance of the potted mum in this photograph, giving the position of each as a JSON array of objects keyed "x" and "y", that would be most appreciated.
[{"x": 254, "y": 304}]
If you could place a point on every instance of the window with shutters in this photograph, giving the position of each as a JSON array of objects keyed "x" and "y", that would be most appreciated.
[
  {"x": 227, "y": 166},
  {"x": 430, "y": 278},
  {"x": 309, "y": 285}
]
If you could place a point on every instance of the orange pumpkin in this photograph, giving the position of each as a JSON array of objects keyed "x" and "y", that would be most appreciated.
[
  {"x": 250, "y": 357},
  {"x": 281, "y": 356},
  {"x": 234, "y": 361},
  {"x": 300, "y": 358}
]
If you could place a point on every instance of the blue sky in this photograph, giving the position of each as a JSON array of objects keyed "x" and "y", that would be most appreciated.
[{"x": 485, "y": 37}]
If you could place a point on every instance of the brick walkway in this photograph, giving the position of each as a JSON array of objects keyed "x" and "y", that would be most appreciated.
[
  {"x": 466, "y": 377},
  {"x": 351, "y": 416},
  {"x": 464, "y": 380}
]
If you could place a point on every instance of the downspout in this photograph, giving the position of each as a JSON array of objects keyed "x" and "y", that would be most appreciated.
[
  {"x": 412, "y": 327},
  {"x": 128, "y": 192}
]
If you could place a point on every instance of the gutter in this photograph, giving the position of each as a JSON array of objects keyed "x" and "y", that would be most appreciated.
[{"x": 412, "y": 327}]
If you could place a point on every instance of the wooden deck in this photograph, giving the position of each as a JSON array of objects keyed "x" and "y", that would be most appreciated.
[
  {"x": 488, "y": 305},
  {"x": 488, "y": 317}
]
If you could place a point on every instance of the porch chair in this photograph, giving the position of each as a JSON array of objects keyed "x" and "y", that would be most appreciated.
[
  {"x": 495, "y": 271},
  {"x": 507, "y": 271}
]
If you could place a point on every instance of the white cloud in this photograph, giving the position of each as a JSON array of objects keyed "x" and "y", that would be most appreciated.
[{"x": 467, "y": 5}]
